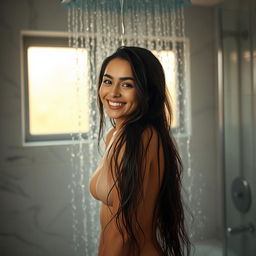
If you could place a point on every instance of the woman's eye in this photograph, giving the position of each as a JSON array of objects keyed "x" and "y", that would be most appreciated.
[
  {"x": 106, "y": 81},
  {"x": 127, "y": 85}
]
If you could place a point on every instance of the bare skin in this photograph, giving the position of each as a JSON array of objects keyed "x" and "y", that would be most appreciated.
[{"x": 111, "y": 243}]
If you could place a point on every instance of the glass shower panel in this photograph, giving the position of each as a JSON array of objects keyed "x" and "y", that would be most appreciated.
[
  {"x": 239, "y": 116},
  {"x": 247, "y": 121}
]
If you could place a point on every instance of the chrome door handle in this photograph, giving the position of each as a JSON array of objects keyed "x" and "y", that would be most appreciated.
[{"x": 237, "y": 230}]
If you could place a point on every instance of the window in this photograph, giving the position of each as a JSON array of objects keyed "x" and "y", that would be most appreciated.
[
  {"x": 55, "y": 100},
  {"x": 175, "y": 64},
  {"x": 167, "y": 59}
]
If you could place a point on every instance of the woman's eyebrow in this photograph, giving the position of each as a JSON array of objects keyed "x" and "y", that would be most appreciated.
[
  {"x": 109, "y": 76},
  {"x": 120, "y": 78}
]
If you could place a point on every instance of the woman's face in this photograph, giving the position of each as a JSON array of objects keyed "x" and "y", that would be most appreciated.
[{"x": 117, "y": 91}]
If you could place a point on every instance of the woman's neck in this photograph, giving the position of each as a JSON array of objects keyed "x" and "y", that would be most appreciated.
[{"x": 118, "y": 124}]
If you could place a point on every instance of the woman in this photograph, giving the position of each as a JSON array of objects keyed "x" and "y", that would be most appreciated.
[{"x": 139, "y": 178}]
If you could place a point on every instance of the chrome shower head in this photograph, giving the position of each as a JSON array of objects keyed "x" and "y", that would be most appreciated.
[{"x": 174, "y": 3}]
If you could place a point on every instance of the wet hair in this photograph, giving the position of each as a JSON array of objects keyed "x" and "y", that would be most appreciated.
[{"x": 153, "y": 111}]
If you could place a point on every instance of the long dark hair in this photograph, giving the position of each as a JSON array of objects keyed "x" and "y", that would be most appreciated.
[{"x": 153, "y": 110}]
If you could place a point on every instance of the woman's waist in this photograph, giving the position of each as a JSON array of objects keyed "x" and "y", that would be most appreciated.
[{"x": 106, "y": 216}]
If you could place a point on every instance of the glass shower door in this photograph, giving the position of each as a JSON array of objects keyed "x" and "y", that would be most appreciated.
[{"x": 239, "y": 53}]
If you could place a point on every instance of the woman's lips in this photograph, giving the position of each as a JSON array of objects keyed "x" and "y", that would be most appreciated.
[{"x": 115, "y": 104}]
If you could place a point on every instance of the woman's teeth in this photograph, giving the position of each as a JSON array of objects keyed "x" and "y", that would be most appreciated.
[{"x": 115, "y": 104}]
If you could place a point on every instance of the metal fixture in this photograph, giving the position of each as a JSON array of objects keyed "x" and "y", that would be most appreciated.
[
  {"x": 241, "y": 194},
  {"x": 242, "y": 229}
]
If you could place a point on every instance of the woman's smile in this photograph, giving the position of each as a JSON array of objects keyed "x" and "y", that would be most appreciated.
[
  {"x": 117, "y": 92},
  {"x": 115, "y": 105}
]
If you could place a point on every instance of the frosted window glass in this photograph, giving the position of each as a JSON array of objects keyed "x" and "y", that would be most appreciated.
[
  {"x": 167, "y": 59},
  {"x": 58, "y": 90}
]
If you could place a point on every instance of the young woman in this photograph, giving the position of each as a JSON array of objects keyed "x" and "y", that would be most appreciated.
[{"x": 139, "y": 178}]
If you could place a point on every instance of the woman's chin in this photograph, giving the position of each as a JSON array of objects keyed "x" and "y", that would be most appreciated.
[{"x": 113, "y": 115}]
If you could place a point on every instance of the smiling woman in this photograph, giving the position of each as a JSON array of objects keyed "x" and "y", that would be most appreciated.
[
  {"x": 139, "y": 178},
  {"x": 117, "y": 91}
]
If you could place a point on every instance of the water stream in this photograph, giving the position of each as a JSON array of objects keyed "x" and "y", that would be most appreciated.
[{"x": 99, "y": 27}]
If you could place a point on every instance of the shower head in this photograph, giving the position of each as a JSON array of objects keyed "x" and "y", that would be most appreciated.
[
  {"x": 184, "y": 3},
  {"x": 128, "y": 3}
]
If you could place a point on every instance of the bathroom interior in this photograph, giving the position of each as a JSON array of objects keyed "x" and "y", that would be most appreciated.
[{"x": 46, "y": 208}]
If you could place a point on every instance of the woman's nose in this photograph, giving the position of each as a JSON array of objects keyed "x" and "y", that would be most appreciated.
[{"x": 115, "y": 90}]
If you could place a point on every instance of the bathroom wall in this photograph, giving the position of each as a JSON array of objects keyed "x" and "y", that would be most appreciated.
[{"x": 35, "y": 212}]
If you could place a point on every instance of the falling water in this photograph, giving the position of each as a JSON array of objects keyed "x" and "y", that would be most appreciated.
[
  {"x": 100, "y": 26},
  {"x": 122, "y": 21}
]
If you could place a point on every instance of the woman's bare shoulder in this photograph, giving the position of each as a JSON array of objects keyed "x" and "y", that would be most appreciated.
[
  {"x": 109, "y": 135},
  {"x": 150, "y": 137},
  {"x": 150, "y": 132}
]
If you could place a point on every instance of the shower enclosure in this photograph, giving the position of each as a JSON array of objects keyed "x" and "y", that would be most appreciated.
[{"x": 237, "y": 94}]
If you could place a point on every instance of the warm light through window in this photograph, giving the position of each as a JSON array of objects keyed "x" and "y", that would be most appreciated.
[
  {"x": 58, "y": 96},
  {"x": 167, "y": 59}
]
